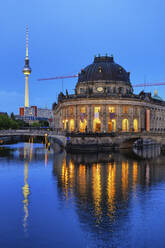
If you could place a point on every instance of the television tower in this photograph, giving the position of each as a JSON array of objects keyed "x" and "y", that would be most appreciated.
[{"x": 27, "y": 71}]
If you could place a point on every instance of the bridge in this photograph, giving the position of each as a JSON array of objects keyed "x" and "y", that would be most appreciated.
[
  {"x": 80, "y": 141},
  {"x": 106, "y": 140},
  {"x": 58, "y": 141}
]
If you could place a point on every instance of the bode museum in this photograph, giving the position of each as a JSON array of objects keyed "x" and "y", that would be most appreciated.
[{"x": 104, "y": 102}]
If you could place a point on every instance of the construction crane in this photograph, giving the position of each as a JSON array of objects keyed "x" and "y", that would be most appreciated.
[
  {"x": 75, "y": 76},
  {"x": 55, "y": 78}
]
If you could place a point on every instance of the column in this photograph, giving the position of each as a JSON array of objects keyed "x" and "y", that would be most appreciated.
[
  {"x": 89, "y": 111},
  {"x": 104, "y": 122},
  {"x": 76, "y": 118}
]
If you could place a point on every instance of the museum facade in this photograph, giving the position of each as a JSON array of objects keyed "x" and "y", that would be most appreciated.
[{"x": 104, "y": 102}]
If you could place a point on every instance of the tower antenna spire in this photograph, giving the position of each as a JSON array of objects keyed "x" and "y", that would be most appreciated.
[{"x": 27, "y": 42}]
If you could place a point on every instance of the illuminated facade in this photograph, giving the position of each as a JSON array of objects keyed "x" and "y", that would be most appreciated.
[{"x": 104, "y": 102}]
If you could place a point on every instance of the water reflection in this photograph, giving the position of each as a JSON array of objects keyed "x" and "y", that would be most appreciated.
[
  {"x": 104, "y": 185},
  {"x": 29, "y": 153},
  {"x": 93, "y": 200},
  {"x": 148, "y": 152},
  {"x": 111, "y": 188},
  {"x": 96, "y": 190},
  {"x": 26, "y": 193}
]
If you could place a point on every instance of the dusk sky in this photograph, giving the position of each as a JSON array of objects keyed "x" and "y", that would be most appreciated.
[{"x": 64, "y": 36}]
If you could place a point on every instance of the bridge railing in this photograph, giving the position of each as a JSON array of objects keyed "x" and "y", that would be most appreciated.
[{"x": 27, "y": 131}]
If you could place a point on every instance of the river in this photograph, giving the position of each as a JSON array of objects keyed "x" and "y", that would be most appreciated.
[{"x": 104, "y": 200}]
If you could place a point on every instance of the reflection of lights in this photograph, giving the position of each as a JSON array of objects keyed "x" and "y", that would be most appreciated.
[
  {"x": 111, "y": 188},
  {"x": 31, "y": 150},
  {"x": 25, "y": 150},
  {"x": 135, "y": 175},
  {"x": 124, "y": 178},
  {"x": 26, "y": 192},
  {"x": 64, "y": 177},
  {"x": 96, "y": 187},
  {"x": 147, "y": 174},
  {"x": 71, "y": 175},
  {"x": 82, "y": 179},
  {"x": 67, "y": 177},
  {"x": 46, "y": 158}
]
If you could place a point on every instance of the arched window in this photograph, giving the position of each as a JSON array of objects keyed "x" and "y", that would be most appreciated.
[
  {"x": 112, "y": 125},
  {"x": 96, "y": 125},
  {"x": 82, "y": 125},
  {"x": 71, "y": 125},
  {"x": 125, "y": 125},
  {"x": 135, "y": 125},
  {"x": 96, "y": 121}
]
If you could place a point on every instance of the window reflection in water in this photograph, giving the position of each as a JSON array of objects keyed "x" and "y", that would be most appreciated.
[
  {"x": 64, "y": 177},
  {"x": 96, "y": 188},
  {"x": 135, "y": 176},
  {"x": 71, "y": 177},
  {"x": 101, "y": 185},
  {"x": 82, "y": 182},
  {"x": 124, "y": 179},
  {"x": 111, "y": 191}
]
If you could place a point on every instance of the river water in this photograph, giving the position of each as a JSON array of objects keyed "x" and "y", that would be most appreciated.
[{"x": 80, "y": 200}]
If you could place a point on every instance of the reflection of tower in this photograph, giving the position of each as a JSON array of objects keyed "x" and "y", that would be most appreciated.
[
  {"x": 26, "y": 192},
  {"x": 27, "y": 72},
  {"x": 28, "y": 151}
]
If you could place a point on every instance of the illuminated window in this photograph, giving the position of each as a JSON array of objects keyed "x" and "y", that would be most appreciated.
[
  {"x": 111, "y": 109},
  {"x": 83, "y": 110},
  {"x": 83, "y": 121},
  {"x": 96, "y": 121},
  {"x": 96, "y": 125},
  {"x": 82, "y": 125},
  {"x": 97, "y": 109},
  {"x": 100, "y": 69},
  {"x": 125, "y": 109},
  {"x": 96, "y": 112},
  {"x": 71, "y": 110},
  {"x": 135, "y": 125},
  {"x": 71, "y": 125},
  {"x": 125, "y": 125},
  {"x": 65, "y": 124},
  {"x": 112, "y": 125}
]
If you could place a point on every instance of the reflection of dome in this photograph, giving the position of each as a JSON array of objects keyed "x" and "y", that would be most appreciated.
[{"x": 104, "y": 68}]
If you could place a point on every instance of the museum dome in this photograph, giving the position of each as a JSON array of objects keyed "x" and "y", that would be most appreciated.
[{"x": 104, "y": 68}]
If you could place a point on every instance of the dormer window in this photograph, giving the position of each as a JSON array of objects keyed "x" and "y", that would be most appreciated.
[{"x": 100, "y": 69}]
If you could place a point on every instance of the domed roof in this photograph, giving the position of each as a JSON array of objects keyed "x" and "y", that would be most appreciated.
[{"x": 104, "y": 68}]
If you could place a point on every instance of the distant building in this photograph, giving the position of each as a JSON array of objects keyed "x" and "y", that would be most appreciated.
[{"x": 33, "y": 113}]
